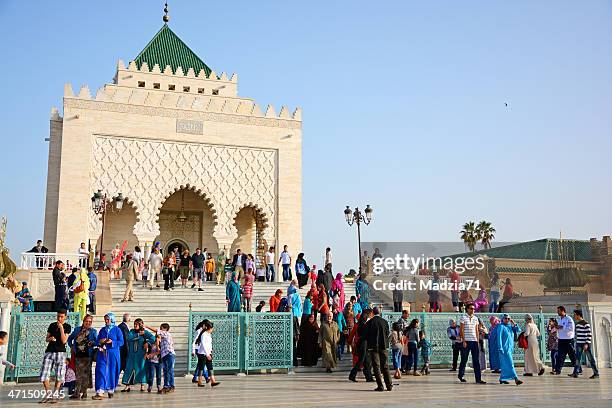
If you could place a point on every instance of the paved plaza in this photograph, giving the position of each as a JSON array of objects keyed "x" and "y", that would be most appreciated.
[{"x": 440, "y": 389}]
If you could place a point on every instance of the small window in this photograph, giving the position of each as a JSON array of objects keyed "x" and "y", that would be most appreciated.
[
  {"x": 141, "y": 84},
  {"x": 186, "y": 89},
  {"x": 200, "y": 90},
  {"x": 156, "y": 85},
  {"x": 215, "y": 92},
  {"x": 171, "y": 87}
]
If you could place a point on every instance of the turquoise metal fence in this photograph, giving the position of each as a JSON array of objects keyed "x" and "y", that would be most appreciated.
[
  {"x": 435, "y": 325},
  {"x": 27, "y": 344},
  {"x": 246, "y": 341}
]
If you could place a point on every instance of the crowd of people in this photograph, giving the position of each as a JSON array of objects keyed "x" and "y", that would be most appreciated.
[
  {"x": 327, "y": 326},
  {"x": 132, "y": 356}
]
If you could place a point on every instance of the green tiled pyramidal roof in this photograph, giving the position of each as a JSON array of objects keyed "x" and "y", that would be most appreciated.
[
  {"x": 541, "y": 249},
  {"x": 166, "y": 48}
]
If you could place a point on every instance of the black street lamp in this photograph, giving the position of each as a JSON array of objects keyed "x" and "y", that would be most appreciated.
[
  {"x": 357, "y": 217},
  {"x": 100, "y": 203}
]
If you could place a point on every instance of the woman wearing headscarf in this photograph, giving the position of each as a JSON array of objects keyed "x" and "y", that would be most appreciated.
[
  {"x": 493, "y": 347},
  {"x": 533, "y": 363},
  {"x": 80, "y": 287},
  {"x": 81, "y": 343},
  {"x": 275, "y": 300},
  {"x": 505, "y": 332},
  {"x": 323, "y": 303},
  {"x": 301, "y": 270},
  {"x": 307, "y": 344},
  {"x": 232, "y": 294},
  {"x": 362, "y": 290},
  {"x": 329, "y": 335},
  {"x": 138, "y": 340},
  {"x": 108, "y": 360},
  {"x": 337, "y": 288},
  {"x": 481, "y": 302},
  {"x": 314, "y": 298}
]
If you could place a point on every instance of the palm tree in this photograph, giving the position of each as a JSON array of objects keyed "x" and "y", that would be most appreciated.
[
  {"x": 468, "y": 235},
  {"x": 485, "y": 233}
]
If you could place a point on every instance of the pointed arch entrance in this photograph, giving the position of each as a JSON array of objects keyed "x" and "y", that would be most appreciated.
[
  {"x": 250, "y": 223},
  {"x": 186, "y": 220}
]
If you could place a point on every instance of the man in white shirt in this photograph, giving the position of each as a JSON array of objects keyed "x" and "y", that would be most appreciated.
[
  {"x": 285, "y": 262},
  {"x": 155, "y": 266},
  {"x": 328, "y": 257},
  {"x": 270, "y": 259},
  {"x": 468, "y": 332},
  {"x": 83, "y": 255},
  {"x": 565, "y": 333}
]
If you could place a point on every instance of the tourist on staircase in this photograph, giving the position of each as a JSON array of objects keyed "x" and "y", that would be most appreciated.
[
  {"x": 275, "y": 300},
  {"x": 239, "y": 264},
  {"x": 130, "y": 272},
  {"x": 270, "y": 260},
  {"x": 168, "y": 272},
  {"x": 301, "y": 270},
  {"x": 247, "y": 289},
  {"x": 285, "y": 261},
  {"x": 209, "y": 267},
  {"x": 232, "y": 294},
  {"x": 184, "y": 267},
  {"x": 198, "y": 260},
  {"x": 155, "y": 267}
]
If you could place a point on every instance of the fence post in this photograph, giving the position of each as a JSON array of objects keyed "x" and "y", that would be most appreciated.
[{"x": 542, "y": 327}]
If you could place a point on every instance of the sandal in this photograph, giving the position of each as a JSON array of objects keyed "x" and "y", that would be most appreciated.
[{"x": 97, "y": 397}]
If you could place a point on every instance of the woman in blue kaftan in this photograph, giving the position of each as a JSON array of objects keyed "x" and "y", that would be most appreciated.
[
  {"x": 505, "y": 332},
  {"x": 232, "y": 294},
  {"x": 108, "y": 359}
]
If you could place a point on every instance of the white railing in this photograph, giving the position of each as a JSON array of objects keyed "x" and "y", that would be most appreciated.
[{"x": 37, "y": 260}]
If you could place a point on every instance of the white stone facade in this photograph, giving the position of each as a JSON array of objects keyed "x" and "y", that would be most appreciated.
[{"x": 151, "y": 133}]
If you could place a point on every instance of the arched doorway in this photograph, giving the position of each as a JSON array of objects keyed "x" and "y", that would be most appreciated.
[
  {"x": 119, "y": 227},
  {"x": 177, "y": 243},
  {"x": 250, "y": 224},
  {"x": 186, "y": 220}
]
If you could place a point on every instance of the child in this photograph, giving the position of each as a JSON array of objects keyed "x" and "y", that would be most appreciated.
[
  {"x": 3, "y": 339},
  {"x": 25, "y": 298},
  {"x": 313, "y": 275},
  {"x": 70, "y": 378},
  {"x": 206, "y": 348},
  {"x": 260, "y": 307},
  {"x": 153, "y": 366},
  {"x": 397, "y": 346},
  {"x": 167, "y": 354},
  {"x": 209, "y": 268},
  {"x": 426, "y": 350},
  {"x": 261, "y": 274},
  {"x": 145, "y": 276}
]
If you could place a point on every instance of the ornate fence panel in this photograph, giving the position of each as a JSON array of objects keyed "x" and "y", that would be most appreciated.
[
  {"x": 435, "y": 325},
  {"x": 246, "y": 341},
  {"x": 27, "y": 341},
  {"x": 269, "y": 341},
  {"x": 226, "y": 339}
]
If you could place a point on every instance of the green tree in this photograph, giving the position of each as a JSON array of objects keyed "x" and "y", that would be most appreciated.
[
  {"x": 485, "y": 233},
  {"x": 468, "y": 235}
]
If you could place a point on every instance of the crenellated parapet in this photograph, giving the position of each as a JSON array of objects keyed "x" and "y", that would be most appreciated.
[{"x": 148, "y": 87}]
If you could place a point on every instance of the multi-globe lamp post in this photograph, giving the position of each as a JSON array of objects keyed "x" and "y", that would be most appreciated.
[
  {"x": 358, "y": 217},
  {"x": 100, "y": 203}
]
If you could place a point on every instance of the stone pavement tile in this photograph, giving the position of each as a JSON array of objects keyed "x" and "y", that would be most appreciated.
[{"x": 334, "y": 390}]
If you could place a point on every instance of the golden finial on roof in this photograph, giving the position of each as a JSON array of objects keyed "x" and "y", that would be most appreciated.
[{"x": 166, "y": 17}]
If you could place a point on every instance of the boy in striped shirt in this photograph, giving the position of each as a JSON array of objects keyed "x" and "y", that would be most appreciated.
[{"x": 583, "y": 344}]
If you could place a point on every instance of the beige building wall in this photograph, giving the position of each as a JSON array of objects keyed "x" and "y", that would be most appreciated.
[{"x": 124, "y": 140}]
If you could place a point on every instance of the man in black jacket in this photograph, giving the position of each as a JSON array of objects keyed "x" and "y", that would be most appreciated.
[
  {"x": 362, "y": 351},
  {"x": 239, "y": 264},
  {"x": 377, "y": 338},
  {"x": 125, "y": 330},
  {"x": 59, "y": 282},
  {"x": 40, "y": 259}
]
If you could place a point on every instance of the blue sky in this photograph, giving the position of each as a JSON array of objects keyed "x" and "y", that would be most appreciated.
[{"x": 403, "y": 106}]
